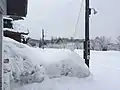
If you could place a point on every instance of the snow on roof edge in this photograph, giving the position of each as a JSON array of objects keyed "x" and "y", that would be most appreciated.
[
  {"x": 7, "y": 18},
  {"x": 13, "y": 30}
]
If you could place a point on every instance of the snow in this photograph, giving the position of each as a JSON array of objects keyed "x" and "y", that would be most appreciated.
[
  {"x": 47, "y": 63},
  {"x": 19, "y": 26},
  {"x": 15, "y": 30},
  {"x": 105, "y": 68},
  {"x": 5, "y": 17},
  {"x": 6, "y": 76}
]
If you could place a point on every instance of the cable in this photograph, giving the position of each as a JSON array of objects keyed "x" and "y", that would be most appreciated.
[
  {"x": 78, "y": 18},
  {"x": 77, "y": 23}
]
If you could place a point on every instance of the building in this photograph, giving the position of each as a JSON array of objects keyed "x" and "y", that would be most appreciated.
[
  {"x": 33, "y": 42},
  {"x": 16, "y": 10},
  {"x": 3, "y": 7},
  {"x": 11, "y": 32}
]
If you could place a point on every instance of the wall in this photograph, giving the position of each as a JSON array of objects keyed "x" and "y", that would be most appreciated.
[
  {"x": 3, "y": 6},
  {"x": 2, "y": 11}
]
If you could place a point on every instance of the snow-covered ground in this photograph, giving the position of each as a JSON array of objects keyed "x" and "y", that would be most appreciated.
[{"x": 104, "y": 66}]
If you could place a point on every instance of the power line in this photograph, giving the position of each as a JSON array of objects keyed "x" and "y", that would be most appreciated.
[{"x": 78, "y": 17}]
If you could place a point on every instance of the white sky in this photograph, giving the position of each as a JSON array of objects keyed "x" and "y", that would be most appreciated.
[{"x": 58, "y": 18}]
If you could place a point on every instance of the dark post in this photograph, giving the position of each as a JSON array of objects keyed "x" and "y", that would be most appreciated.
[
  {"x": 40, "y": 43},
  {"x": 43, "y": 38},
  {"x": 87, "y": 42}
]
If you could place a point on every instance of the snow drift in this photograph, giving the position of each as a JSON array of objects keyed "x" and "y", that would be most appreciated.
[
  {"x": 64, "y": 63},
  {"x": 33, "y": 64},
  {"x": 105, "y": 68}
]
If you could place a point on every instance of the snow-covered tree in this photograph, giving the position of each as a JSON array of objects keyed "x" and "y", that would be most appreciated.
[
  {"x": 92, "y": 44},
  {"x": 118, "y": 39},
  {"x": 100, "y": 43},
  {"x": 118, "y": 42}
]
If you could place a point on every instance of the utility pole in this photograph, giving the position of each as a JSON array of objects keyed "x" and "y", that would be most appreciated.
[
  {"x": 87, "y": 41},
  {"x": 43, "y": 38}
]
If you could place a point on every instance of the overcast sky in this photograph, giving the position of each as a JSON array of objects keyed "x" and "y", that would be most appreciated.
[{"x": 58, "y": 18}]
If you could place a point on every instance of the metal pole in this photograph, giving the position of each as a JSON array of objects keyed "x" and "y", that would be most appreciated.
[{"x": 86, "y": 42}]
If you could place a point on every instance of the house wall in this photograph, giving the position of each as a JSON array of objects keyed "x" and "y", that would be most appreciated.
[
  {"x": 2, "y": 12},
  {"x": 3, "y": 6}
]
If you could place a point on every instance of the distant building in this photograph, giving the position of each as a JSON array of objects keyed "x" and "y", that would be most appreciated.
[
  {"x": 33, "y": 42},
  {"x": 57, "y": 43}
]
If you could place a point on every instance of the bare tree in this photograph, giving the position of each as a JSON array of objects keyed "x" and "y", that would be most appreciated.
[
  {"x": 100, "y": 43},
  {"x": 118, "y": 42},
  {"x": 92, "y": 44},
  {"x": 118, "y": 39}
]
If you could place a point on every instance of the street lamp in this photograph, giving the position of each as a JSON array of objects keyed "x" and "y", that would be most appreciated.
[{"x": 94, "y": 11}]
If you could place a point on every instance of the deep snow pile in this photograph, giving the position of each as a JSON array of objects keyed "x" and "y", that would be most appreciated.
[
  {"x": 22, "y": 70},
  {"x": 18, "y": 61},
  {"x": 105, "y": 67},
  {"x": 31, "y": 64},
  {"x": 61, "y": 62}
]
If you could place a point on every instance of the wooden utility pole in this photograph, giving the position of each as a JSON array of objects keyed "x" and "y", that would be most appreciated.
[
  {"x": 87, "y": 41},
  {"x": 43, "y": 39}
]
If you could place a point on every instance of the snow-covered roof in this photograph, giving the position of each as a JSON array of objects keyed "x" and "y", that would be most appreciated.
[
  {"x": 13, "y": 30},
  {"x": 7, "y": 18}
]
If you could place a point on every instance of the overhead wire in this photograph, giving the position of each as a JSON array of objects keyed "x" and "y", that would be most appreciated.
[{"x": 76, "y": 25}]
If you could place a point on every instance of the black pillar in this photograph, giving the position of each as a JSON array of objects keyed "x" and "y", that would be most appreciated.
[{"x": 87, "y": 42}]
